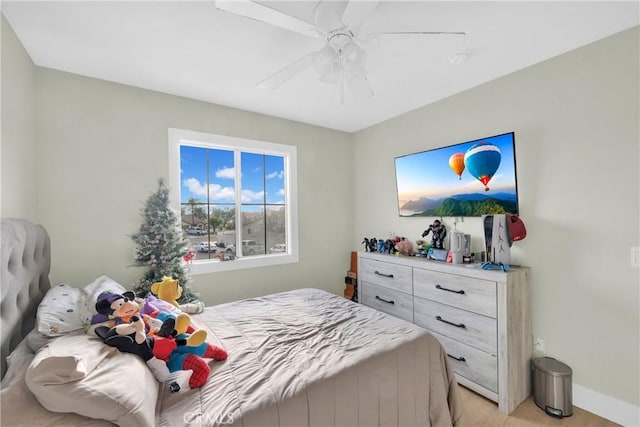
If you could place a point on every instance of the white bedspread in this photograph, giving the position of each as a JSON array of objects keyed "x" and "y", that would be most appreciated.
[{"x": 310, "y": 358}]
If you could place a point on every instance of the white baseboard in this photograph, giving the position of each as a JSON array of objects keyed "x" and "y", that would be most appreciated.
[{"x": 605, "y": 406}]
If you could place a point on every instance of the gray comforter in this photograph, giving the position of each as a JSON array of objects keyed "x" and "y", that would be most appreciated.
[{"x": 310, "y": 358}]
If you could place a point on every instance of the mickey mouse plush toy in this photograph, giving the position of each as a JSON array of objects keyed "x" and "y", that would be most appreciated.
[{"x": 125, "y": 330}]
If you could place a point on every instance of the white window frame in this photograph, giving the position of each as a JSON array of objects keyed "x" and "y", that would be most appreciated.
[{"x": 178, "y": 137}]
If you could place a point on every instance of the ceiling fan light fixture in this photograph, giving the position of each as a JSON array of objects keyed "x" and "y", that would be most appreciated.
[
  {"x": 354, "y": 56},
  {"x": 459, "y": 58},
  {"x": 324, "y": 59}
]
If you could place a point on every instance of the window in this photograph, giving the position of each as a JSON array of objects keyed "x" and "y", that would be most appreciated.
[{"x": 236, "y": 198}]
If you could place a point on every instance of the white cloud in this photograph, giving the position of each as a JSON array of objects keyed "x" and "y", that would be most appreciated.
[
  {"x": 229, "y": 173},
  {"x": 252, "y": 196},
  {"x": 276, "y": 174},
  {"x": 216, "y": 191},
  {"x": 194, "y": 186},
  {"x": 281, "y": 192}
]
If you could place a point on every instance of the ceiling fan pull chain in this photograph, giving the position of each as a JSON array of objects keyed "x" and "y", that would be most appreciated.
[{"x": 341, "y": 74}]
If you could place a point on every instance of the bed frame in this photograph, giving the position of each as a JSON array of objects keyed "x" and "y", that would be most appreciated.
[{"x": 26, "y": 261}]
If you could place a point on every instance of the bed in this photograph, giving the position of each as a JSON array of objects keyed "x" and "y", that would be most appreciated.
[{"x": 299, "y": 358}]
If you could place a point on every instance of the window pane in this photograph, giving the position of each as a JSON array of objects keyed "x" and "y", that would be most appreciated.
[
  {"x": 193, "y": 206},
  {"x": 252, "y": 181},
  {"x": 253, "y": 233},
  {"x": 274, "y": 174},
  {"x": 194, "y": 219},
  {"x": 207, "y": 182},
  {"x": 276, "y": 230},
  {"x": 223, "y": 221},
  {"x": 221, "y": 176},
  {"x": 193, "y": 176}
]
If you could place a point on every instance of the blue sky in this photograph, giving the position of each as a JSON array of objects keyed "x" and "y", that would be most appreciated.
[
  {"x": 261, "y": 175},
  {"x": 428, "y": 174}
]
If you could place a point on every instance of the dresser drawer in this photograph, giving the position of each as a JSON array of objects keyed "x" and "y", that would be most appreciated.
[
  {"x": 390, "y": 301},
  {"x": 385, "y": 274},
  {"x": 476, "y": 295},
  {"x": 473, "y": 329},
  {"x": 471, "y": 363}
]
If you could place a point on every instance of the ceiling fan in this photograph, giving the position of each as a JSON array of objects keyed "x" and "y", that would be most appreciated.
[{"x": 343, "y": 58}]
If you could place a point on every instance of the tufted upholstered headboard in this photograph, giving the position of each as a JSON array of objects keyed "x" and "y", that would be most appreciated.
[{"x": 26, "y": 261}]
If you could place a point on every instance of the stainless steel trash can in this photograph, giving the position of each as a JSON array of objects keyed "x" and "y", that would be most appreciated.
[{"x": 552, "y": 387}]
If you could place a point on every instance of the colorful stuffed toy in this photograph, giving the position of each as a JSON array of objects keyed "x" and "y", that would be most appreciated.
[
  {"x": 186, "y": 357},
  {"x": 404, "y": 246},
  {"x": 170, "y": 290},
  {"x": 182, "y": 357},
  {"x": 172, "y": 341}
]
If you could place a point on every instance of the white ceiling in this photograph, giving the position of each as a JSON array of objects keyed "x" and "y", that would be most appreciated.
[{"x": 194, "y": 50}]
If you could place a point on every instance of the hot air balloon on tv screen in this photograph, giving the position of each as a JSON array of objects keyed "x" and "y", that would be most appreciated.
[
  {"x": 482, "y": 161},
  {"x": 456, "y": 163}
]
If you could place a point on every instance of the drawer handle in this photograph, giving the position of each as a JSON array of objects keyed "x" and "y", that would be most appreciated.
[
  {"x": 457, "y": 325},
  {"x": 461, "y": 291},
  {"x": 390, "y": 276},
  {"x": 388, "y": 301},
  {"x": 459, "y": 359}
]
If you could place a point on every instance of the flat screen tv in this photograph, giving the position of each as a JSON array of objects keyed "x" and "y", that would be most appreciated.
[{"x": 473, "y": 178}]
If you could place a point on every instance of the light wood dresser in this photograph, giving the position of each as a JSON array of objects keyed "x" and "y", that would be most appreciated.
[{"x": 481, "y": 317}]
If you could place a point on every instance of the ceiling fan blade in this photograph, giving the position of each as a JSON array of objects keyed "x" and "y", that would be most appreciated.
[
  {"x": 357, "y": 12},
  {"x": 372, "y": 40},
  {"x": 262, "y": 13},
  {"x": 287, "y": 72},
  {"x": 418, "y": 33},
  {"x": 327, "y": 14}
]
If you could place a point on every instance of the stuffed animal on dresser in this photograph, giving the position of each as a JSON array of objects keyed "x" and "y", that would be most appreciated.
[{"x": 404, "y": 246}]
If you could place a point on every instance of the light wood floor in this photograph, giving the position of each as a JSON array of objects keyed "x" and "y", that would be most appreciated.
[{"x": 479, "y": 411}]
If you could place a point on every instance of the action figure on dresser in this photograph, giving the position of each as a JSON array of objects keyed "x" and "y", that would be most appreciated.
[{"x": 438, "y": 232}]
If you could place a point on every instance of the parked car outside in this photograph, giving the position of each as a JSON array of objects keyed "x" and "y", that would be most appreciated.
[
  {"x": 195, "y": 231},
  {"x": 249, "y": 247},
  {"x": 278, "y": 248},
  {"x": 205, "y": 247}
]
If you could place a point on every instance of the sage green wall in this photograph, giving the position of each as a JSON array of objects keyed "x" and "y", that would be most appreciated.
[
  {"x": 19, "y": 172},
  {"x": 104, "y": 146},
  {"x": 575, "y": 119}
]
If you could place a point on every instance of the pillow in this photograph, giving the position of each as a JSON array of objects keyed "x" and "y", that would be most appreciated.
[
  {"x": 113, "y": 386},
  {"x": 61, "y": 311},
  {"x": 36, "y": 340},
  {"x": 65, "y": 309},
  {"x": 17, "y": 363}
]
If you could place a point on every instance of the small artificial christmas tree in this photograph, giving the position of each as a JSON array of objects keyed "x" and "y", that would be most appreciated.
[{"x": 161, "y": 245}]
